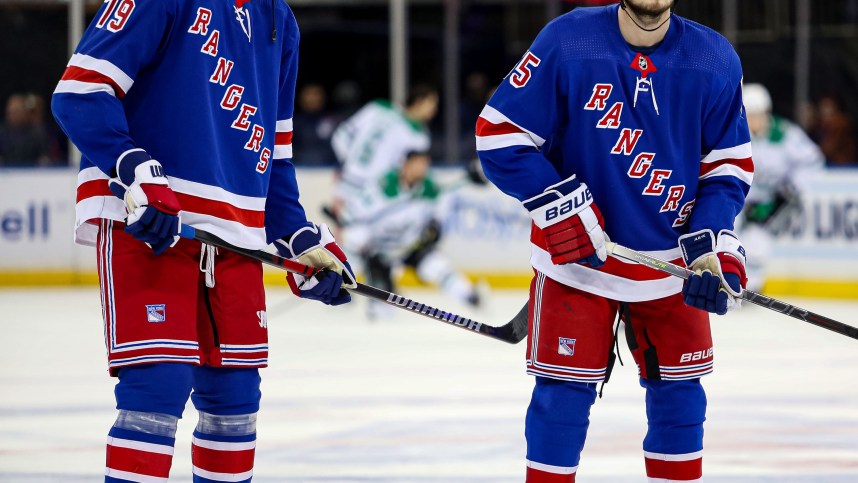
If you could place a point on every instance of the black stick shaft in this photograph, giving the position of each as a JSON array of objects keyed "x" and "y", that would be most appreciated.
[
  {"x": 772, "y": 304},
  {"x": 510, "y": 332}
]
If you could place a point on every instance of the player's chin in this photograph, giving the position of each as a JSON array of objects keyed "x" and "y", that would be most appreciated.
[{"x": 650, "y": 8}]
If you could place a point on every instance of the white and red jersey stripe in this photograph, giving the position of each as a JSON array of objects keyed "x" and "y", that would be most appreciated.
[
  {"x": 238, "y": 219},
  {"x": 87, "y": 75},
  {"x": 665, "y": 468},
  {"x": 616, "y": 279},
  {"x": 735, "y": 161},
  {"x": 283, "y": 140},
  {"x": 496, "y": 131}
]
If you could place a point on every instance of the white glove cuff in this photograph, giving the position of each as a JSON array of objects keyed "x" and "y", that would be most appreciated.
[
  {"x": 728, "y": 242},
  {"x": 150, "y": 172}
]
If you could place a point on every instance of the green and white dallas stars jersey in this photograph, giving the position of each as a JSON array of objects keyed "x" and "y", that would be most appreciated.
[
  {"x": 389, "y": 218},
  {"x": 374, "y": 141},
  {"x": 784, "y": 160}
]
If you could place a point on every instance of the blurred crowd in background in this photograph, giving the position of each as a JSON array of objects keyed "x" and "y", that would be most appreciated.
[
  {"x": 344, "y": 64},
  {"x": 28, "y": 134}
]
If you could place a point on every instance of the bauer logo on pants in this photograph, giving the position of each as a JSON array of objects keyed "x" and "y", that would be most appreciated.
[
  {"x": 156, "y": 313},
  {"x": 566, "y": 347}
]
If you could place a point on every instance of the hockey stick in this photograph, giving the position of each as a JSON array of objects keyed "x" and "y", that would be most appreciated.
[
  {"x": 619, "y": 251},
  {"x": 512, "y": 332}
]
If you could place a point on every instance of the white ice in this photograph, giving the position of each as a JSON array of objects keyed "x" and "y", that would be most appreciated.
[{"x": 414, "y": 400}]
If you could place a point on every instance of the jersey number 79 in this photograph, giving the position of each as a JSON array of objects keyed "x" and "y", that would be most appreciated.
[
  {"x": 524, "y": 70},
  {"x": 116, "y": 14}
]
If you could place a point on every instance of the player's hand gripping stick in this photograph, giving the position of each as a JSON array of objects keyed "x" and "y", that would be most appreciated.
[
  {"x": 621, "y": 252},
  {"x": 153, "y": 209},
  {"x": 718, "y": 270},
  {"x": 571, "y": 222},
  {"x": 315, "y": 246}
]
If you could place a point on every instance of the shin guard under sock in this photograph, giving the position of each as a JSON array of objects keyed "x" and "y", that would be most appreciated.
[
  {"x": 224, "y": 447},
  {"x": 140, "y": 447}
]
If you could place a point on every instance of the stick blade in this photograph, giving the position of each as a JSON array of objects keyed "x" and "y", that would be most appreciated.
[{"x": 515, "y": 330}]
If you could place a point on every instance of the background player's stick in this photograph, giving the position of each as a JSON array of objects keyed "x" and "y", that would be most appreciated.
[
  {"x": 804, "y": 315},
  {"x": 512, "y": 332}
]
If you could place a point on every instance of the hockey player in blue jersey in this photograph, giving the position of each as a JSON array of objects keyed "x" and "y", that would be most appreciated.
[
  {"x": 182, "y": 110},
  {"x": 626, "y": 122}
]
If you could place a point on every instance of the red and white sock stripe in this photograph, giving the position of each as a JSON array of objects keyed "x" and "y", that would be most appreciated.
[
  {"x": 664, "y": 468},
  {"x": 542, "y": 473},
  {"x": 223, "y": 461},
  {"x": 138, "y": 461}
]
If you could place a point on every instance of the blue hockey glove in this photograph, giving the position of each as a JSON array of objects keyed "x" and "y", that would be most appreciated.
[
  {"x": 719, "y": 270},
  {"x": 315, "y": 246},
  {"x": 571, "y": 222},
  {"x": 152, "y": 207}
]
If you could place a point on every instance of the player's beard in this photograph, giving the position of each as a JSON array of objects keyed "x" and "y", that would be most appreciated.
[{"x": 648, "y": 10}]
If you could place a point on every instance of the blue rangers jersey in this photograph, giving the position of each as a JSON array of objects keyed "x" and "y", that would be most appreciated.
[
  {"x": 207, "y": 88},
  {"x": 659, "y": 136}
]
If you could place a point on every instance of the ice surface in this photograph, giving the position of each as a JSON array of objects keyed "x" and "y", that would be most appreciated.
[{"x": 413, "y": 400}]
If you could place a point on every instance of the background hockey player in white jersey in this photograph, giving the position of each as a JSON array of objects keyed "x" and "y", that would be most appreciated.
[
  {"x": 183, "y": 108},
  {"x": 623, "y": 121},
  {"x": 377, "y": 139},
  {"x": 392, "y": 224},
  {"x": 785, "y": 162}
]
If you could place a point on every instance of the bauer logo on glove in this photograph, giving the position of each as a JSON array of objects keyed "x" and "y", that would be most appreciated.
[{"x": 567, "y": 207}]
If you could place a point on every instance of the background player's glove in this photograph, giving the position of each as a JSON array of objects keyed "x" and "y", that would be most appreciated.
[
  {"x": 475, "y": 172},
  {"x": 315, "y": 246},
  {"x": 153, "y": 210},
  {"x": 571, "y": 222},
  {"x": 719, "y": 270}
]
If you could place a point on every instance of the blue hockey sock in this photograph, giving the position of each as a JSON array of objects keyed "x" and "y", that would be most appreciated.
[
  {"x": 557, "y": 421},
  {"x": 225, "y": 391},
  {"x": 156, "y": 388},
  {"x": 675, "y": 412},
  {"x": 673, "y": 447}
]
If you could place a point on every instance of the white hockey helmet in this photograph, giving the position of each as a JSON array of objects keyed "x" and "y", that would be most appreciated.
[{"x": 756, "y": 98}]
